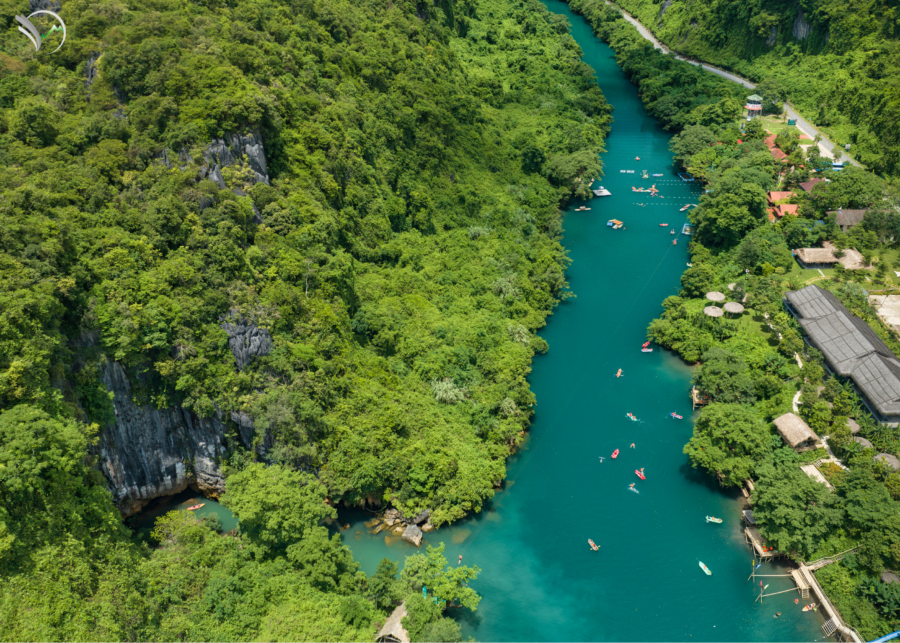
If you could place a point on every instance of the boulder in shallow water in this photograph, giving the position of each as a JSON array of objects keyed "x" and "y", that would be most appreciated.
[
  {"x": 413, "y": 534},
  {"x": 427, "y": 527},
  {"x": 422, "y": 517}
]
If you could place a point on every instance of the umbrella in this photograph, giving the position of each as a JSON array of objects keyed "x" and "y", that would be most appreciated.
[
  {"x": 733, "y": 307},
  {"x": 713, "y": 311},
  {"x": 715, "y": 296}
]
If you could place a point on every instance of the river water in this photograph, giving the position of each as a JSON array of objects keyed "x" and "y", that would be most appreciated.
[{"x": 539, "y": 579}]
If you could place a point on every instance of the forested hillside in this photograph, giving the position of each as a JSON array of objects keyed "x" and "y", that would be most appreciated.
[
  {"x": 837, "y": 62},
  {"x": 751, "y": 366},
  {"x": 370, "y": 194}
]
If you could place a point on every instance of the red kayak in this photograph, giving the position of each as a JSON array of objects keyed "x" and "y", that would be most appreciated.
[
  {"x": 639, "y": 474},
  {"x": 615, "y": 454}
]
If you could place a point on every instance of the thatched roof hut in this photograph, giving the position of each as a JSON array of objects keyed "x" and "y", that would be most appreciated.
[
  {"x": 733, "y": 307},
  {"x": 393, "y": 631},
  {"x": 715, "y": 296},
  {"x": 713, "y": 311},
  {"x": 888, "y": 459},
  {"x": 863, "y": 442},
  {"x": 796, "y": 432}
]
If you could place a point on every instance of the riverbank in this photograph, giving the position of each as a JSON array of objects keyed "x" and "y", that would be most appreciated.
[
  {"x": 802, "y": 123},
  {"x": 540, "y": 580}
]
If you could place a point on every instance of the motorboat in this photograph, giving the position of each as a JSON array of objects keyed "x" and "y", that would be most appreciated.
[{"x": 615, "y": 454}]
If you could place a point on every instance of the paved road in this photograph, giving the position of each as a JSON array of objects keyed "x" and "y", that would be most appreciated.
[{"x": 802, "y": 124}]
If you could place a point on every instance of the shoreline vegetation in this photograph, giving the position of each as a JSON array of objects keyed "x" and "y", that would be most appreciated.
[
  {"x": 834, "y": 62},
  {"x": 749, "y": 367},
  {"x": 396, "y": 245}
]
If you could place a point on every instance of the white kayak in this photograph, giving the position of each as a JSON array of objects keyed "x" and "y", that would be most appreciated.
[{"x": 705, "y": 568}]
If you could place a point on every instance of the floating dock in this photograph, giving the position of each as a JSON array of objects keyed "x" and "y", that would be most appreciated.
[
  {"x": 602, "y": 192},
  {"x": 688, "y": 229},
  {"x": 685, "y": 176}
]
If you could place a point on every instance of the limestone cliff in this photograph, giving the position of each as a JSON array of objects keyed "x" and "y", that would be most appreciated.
[{"x": 148, "y": 452}]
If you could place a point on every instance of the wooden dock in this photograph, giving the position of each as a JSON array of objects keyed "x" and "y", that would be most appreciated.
[{"x": 753, "y": 538}]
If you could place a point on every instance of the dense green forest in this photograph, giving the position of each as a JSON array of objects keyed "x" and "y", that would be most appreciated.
[
  {"x": 746, "y": 367},
  {"x": 837, "y": 62},
  {"x": 401, "y": 251}
]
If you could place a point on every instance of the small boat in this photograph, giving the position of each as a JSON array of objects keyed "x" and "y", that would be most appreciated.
[
  {"x": 632, "y": 418},
  {"x": 637, "y": 158},
  {"x": 687, "y": 206},
  {"x": 690, "y": 265},
  {"x": 663, "y": 225},
  {"x": 639, "y": 474},
  {"x": 811, "y": 606},
  {"x": 202, "y": 504},
  {"x": 593, "y": 545},
  {"x": 673, "y": 232},
  {"x": 718, "y": 521},
  {"x": 585, "y": 209},
  {"x": 619, "y": 373},
  {"x": 615, "y": 224},
  {"x": 675, "y": 242},
  {"x": 646, "y": 350},
  {"x": 656, "y": 175},
  {"x": 705, "y": 568},
  {"x": 615, "y": 454},
  {"x": 676, "y": 416},
  {"x": 645, "y": 344}
]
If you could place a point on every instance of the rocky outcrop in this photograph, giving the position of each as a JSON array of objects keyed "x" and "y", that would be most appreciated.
[
  {"x": 665, "y": 5},
  {"x": 91, "y": 72},
  {"x": 45, "y": 5},
  {"x": 422, "y": 517},
  {"x": 801, "y": 29},
  {"x": 412, "y": 534},
  {"x": 232, "y": 149},
  {"x": 773, "y": 36},
  {"x": 246, "y": 341},
  {"x": 147, "y": 452}
]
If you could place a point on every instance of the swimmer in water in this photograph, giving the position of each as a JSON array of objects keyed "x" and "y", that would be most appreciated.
[
  {"x": 632, "y": 445},
  {"x": 631, "y": 485},
  {"x": 601, "y": 458}
]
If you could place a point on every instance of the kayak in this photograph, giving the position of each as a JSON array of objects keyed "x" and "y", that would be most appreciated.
[
  {"x": 202, "y": 504},
  {"x": 619, "y": 374},
  {"x": 640, "y": 475},
  {"x": 676, "y": 416},
  {"x": 663, "y": 225},
  {"x": 594, "y": 546},
  {"x": 714, "y": 519},
  {"x": 645, "y": 344},
  {"x": 615, "y": 454},
  {"x": 705, "y": 568}
]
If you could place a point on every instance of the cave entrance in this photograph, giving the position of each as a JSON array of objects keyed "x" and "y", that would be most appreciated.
[{"x": 146, "y": 518}]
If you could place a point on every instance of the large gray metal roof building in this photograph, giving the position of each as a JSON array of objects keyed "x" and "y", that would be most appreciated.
[{"x": 851, "y": 349}]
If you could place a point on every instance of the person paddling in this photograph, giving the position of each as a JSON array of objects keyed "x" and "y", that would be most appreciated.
[{"x": 632, "y": 446}]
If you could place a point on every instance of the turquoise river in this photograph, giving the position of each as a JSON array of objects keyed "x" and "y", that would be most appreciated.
[{"x": 539, "y": 579}]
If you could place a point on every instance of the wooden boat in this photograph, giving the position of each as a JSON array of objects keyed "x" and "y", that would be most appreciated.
[
  {"x": 615, "y": 454},
  {"x": 202, "y": 504},
  {"x": 663, "y": 225},
  {"x": 639, "y": 474},
  {"x": 811, "y": 606},
  {"x": 593, "y": 545},
  {"x": 718, "y": 521},
  {"x": 676, "y": 416},
  {"x": 705, "y": 568}
]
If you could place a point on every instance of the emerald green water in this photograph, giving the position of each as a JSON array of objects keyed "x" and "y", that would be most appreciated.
[{"x": 539, "y": 580}]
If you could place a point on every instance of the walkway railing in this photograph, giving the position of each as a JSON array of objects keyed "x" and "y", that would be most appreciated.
[{"x": 827, "y": 560}]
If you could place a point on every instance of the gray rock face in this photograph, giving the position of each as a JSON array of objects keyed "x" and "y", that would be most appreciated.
[
  {"x": 246, "y": 341},
  {"x": 91, "y": 72},
  {"x": 665, "y": 5},
  {"x": 412, "y": 534},
  {"x": 773, "y": 36},
  {"x": 422, "y": 517},
  {"x": 222, "y": 152},
  {"x": 801, "y": 29},
  {"x": 45, "y": 5},
  {"x": 148, "y": 452}
]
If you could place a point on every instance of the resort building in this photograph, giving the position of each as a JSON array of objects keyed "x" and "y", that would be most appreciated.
[
  {"x": 776, "y": 152},
  {"x": 796, "y": 433},
  {"x": 851, "y": 349},
  {"x": 846, "y": 219},
  {"x": 811, "y": 258},
  {"x": 807, "y": 186}
]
